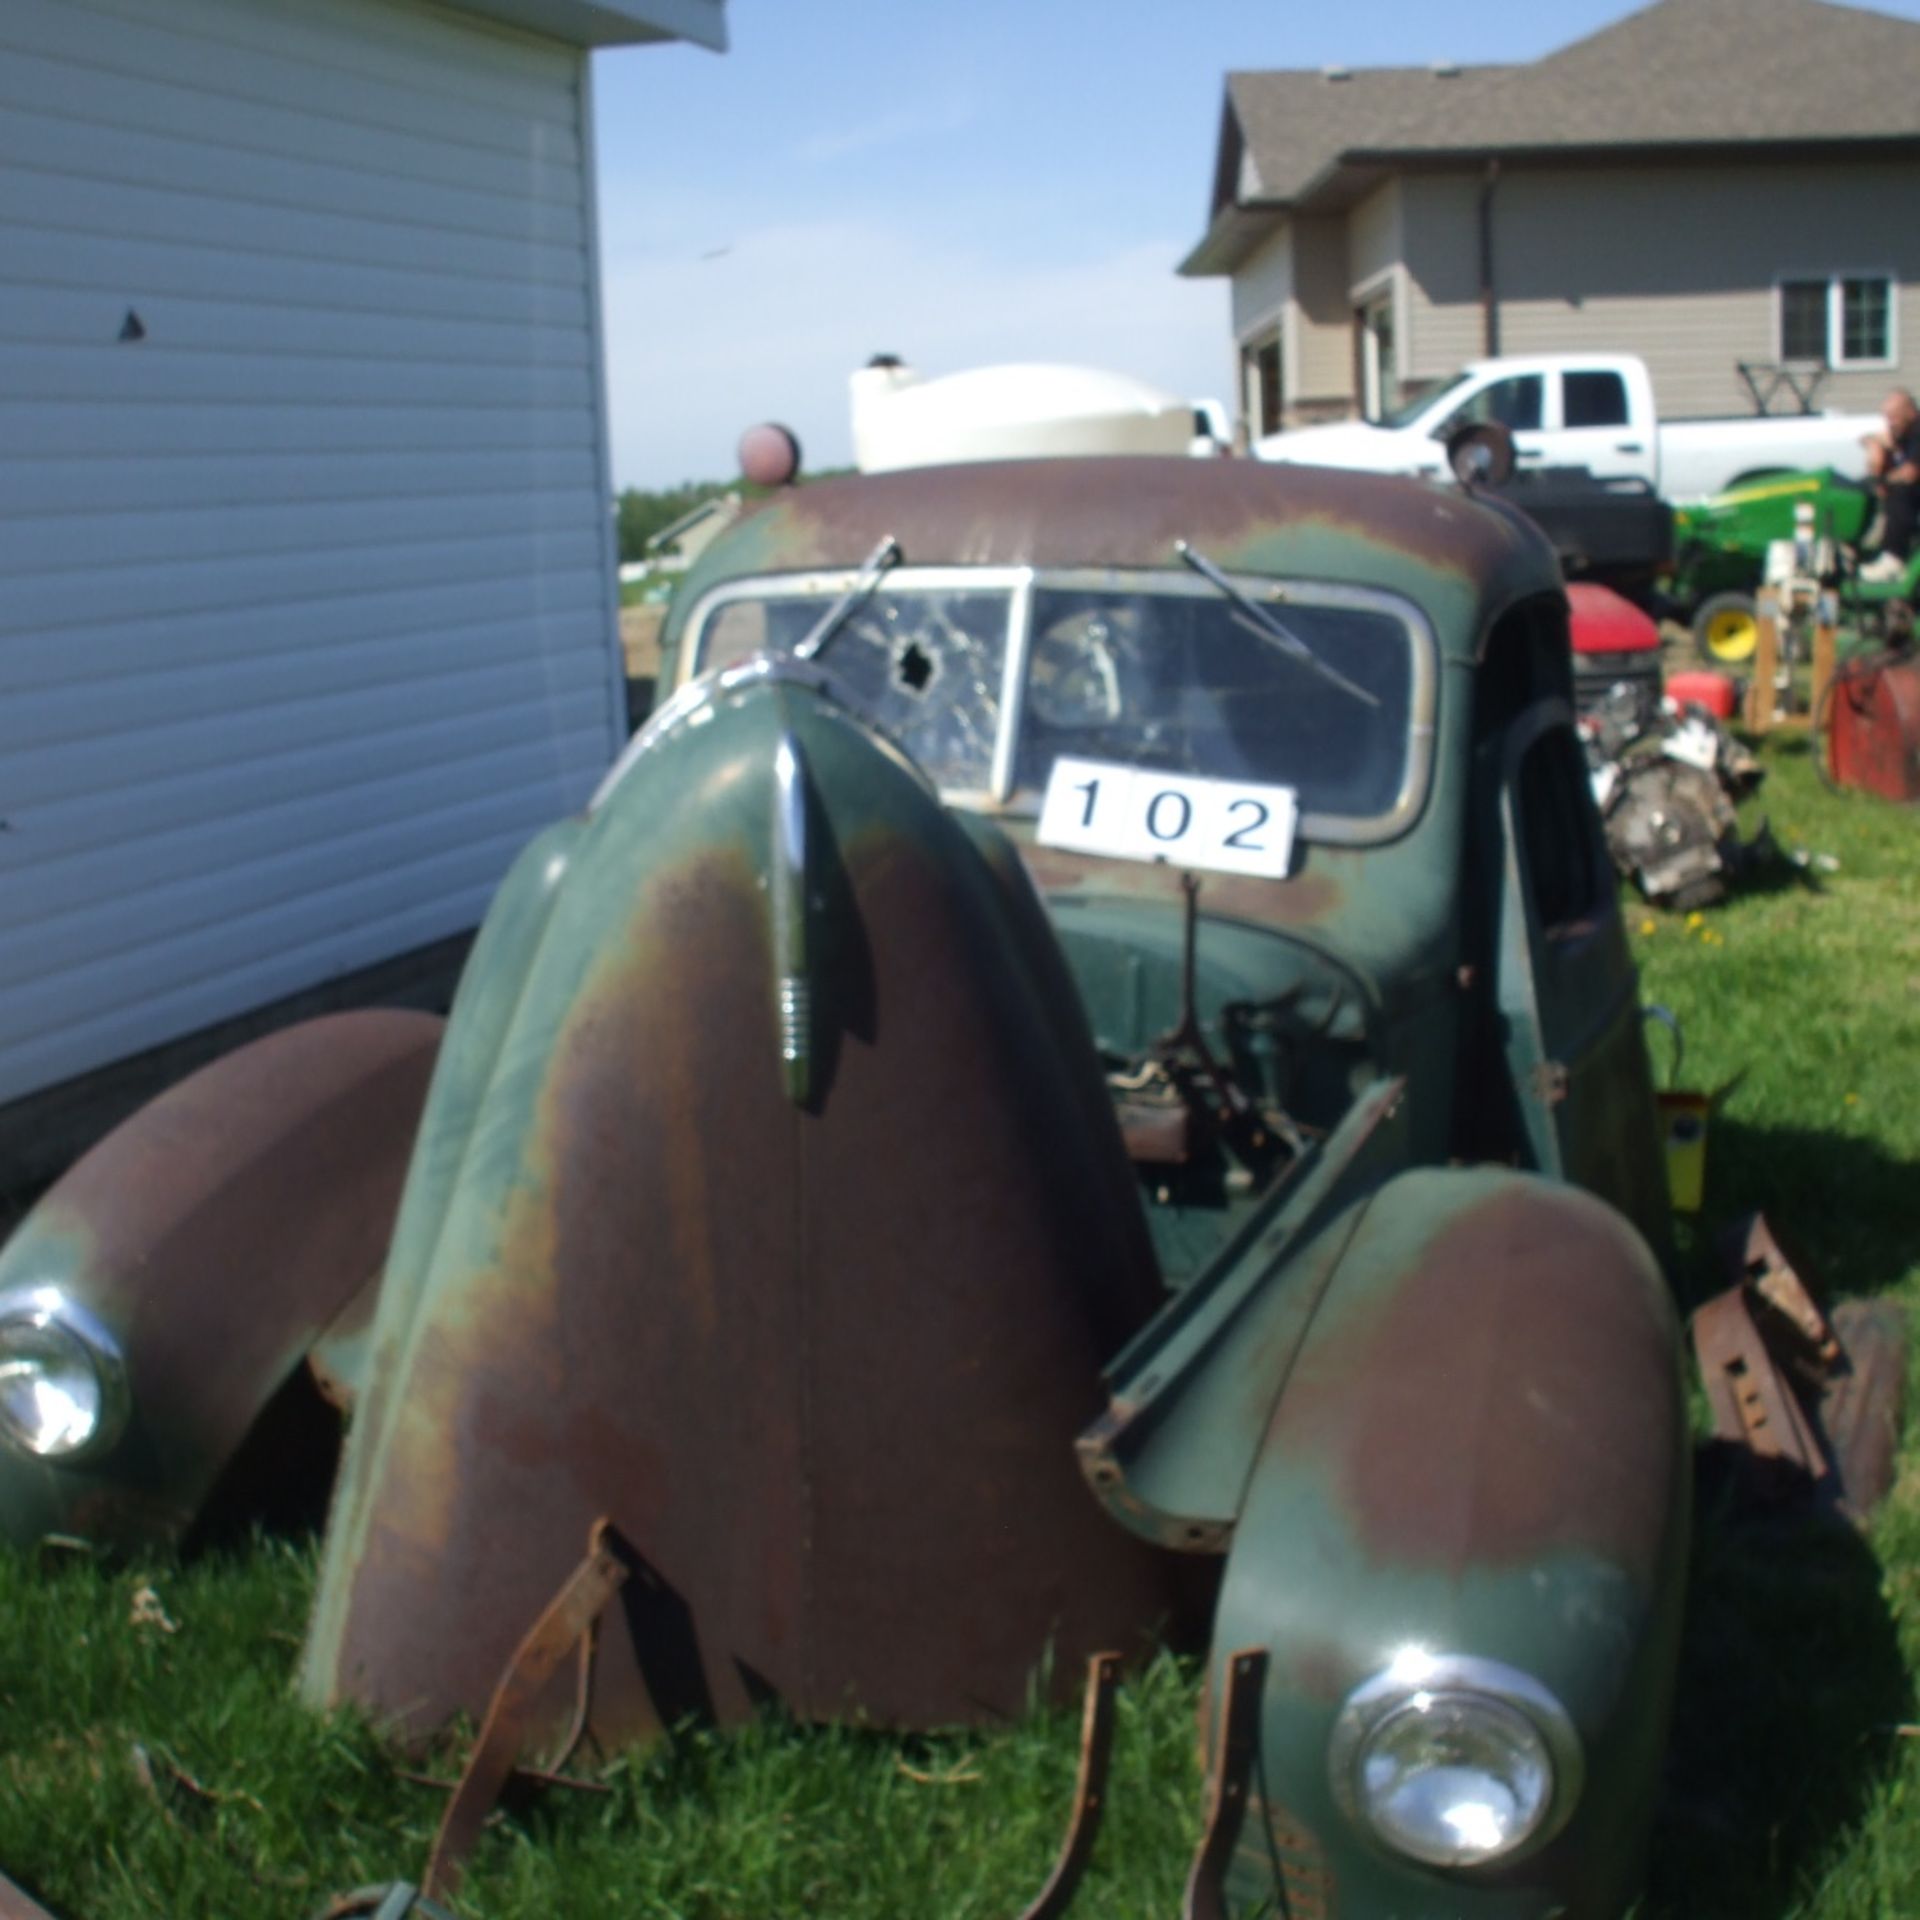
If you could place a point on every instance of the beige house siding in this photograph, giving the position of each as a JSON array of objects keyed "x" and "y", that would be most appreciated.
[
  {"x": 1375, "y": 231},
  {"x": 1263, "y": 285},
  {"x": 1442, "y": 325},
  {"x": 1678, "y": 265},
  {"x": 1320, "y": 321}
]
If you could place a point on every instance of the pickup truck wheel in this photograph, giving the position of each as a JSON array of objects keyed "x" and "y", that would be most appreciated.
[{"x": 1726, "y": 628}]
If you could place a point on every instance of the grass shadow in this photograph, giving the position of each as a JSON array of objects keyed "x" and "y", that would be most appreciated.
[
  {"x": 1838, "y": 1198},
  {"x": 1791, "y": 1686}
]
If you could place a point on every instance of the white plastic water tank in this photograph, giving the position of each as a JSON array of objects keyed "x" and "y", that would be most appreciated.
[{"x": 1019, "y": 412}]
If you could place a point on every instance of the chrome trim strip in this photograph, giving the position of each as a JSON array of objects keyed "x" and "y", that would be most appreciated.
[
  {"x": 1325, "y": 829},
  {"x": 696, "y": 696},
  {"x": 788, "y": 885},
  {"x": 1013, "y": 685},
  {"x": 1417, "y": 1672},
  {"x": 53, "y": 1306}
]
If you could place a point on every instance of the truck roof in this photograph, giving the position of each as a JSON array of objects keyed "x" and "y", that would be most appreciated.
[{"x": 1460, "y": 557}]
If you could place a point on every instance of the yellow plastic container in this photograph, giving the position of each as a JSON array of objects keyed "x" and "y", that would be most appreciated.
[{"x": 1683, "y": 1130}]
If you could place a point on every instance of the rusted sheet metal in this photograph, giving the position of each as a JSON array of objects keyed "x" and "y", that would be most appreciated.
[
  {"x": 215, "y": 1235},
  {"x": 1236, "y": 1751},
  {"x": 1089, "y": 1792},
  {"x": 821, "y": 1364},
  {"x": 1875, "y": 739},
  {"x": 1461, "y": 558},
  {"x": 1190, "y": 1399},
  {"x": 565, "y": 1624},
  {"x": 1753, "y": 1256},
  {"x": 1484, "y": 1438},
  {"x": 1813, "y": 1404},
  {"x": 1754, "y": 1404},
  {"x": 1863, "y": 1409}
]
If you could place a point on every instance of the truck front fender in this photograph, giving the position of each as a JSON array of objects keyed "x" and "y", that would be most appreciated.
[
  {"x": 1480, "y": 1455},
  {"x": 210, "y": 1240}
]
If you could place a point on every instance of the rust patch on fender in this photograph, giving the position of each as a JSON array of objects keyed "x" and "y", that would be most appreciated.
[{"x": 1515, "y": 1393}]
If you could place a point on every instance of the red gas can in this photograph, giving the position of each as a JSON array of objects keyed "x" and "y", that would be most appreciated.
[
  {"x": 1714, "y": 691},
  {"x": 1874, "y": 740}
]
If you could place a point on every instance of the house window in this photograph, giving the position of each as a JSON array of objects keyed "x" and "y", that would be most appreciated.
[
  {"x": 1379, "y": 359},
  {"x": 1265, "y": 396},
  {"x": 1844, "y": 321}
]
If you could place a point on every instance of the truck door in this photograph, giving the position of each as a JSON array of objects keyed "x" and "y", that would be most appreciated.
[
  {"x": 1568, "y": 992},
  {"x": 1516, "y": 401},
  {"x": 1595, "y": 428}
]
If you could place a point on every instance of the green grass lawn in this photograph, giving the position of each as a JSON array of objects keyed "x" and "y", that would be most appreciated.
[{"x": 159, "y": 1766}]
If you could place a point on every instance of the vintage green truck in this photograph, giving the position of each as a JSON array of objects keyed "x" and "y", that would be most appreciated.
[{"x": 1080, "y": 1080}]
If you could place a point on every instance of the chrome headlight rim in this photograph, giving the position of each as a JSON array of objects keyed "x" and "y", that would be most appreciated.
[
  {"x": 1395, "y": 1689},
  {"x": 51, "y": 1306}
]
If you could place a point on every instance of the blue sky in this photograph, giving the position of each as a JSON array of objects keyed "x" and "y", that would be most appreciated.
[{"x": 955, "y": 183}]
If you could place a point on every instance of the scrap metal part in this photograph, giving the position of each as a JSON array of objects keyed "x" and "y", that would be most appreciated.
[
  {"x": 1671, "y": 830},
  {"x": 567, "y": 1623},
  {"x": 1089, "y": 1791},
  {"x": 1236, "y": 1750},
  {"x": 1753, "y": 1402},
  {"x": 1813, "y": 1402}
]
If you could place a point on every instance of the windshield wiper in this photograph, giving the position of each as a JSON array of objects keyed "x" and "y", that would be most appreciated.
[
  {"x": 1269, "y": 627},
  {"x": 873, "y": 569}
]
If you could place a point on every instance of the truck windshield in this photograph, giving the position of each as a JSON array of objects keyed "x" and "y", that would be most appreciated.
[
  {"x": 926, "y": 665},
  {"x": 1408, "y": 411},
  {"x": 1185, "y": 684},
  {"x": 1167, "y": 675}
]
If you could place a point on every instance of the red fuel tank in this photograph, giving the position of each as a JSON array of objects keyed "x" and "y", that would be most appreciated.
[
  {"x": 1714, "y": 691},
  {"x": 1874, "y": 738}
]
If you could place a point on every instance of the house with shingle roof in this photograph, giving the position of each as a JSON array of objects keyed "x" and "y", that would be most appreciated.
[{"x": 1729, "y": 188}]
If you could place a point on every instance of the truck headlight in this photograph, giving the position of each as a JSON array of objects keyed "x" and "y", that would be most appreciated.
[
  {"x": 62, "y": 1382},
  {"x": 1455, "y": 1762}
]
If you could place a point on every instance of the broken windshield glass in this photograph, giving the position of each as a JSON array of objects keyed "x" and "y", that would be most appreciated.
[
  {"x": 1183, "y": 683},
  {"x": 926, "y": 665}
]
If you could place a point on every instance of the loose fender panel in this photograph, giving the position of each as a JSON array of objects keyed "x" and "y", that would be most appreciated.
[
  {"x": 818, "y": 1341},
  {"x": 1481, "y": 1450},
  {"x": 215, "y": 1235}
]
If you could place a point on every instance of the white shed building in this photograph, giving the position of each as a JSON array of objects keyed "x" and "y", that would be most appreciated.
[{"x": 308, "y": 614}]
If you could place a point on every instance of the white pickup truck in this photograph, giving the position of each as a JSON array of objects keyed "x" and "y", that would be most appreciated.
[{"x": 1582, "y": 410}]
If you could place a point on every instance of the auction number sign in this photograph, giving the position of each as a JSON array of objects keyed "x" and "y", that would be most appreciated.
[{"x": 1131, "y": 813}]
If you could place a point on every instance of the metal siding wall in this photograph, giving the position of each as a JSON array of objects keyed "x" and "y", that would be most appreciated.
[
  {"x": 1677, "y": 265},
  {"x": 305, "y": 610}
]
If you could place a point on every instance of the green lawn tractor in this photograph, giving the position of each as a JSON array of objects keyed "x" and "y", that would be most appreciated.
[{"x": 1720, "y": 550}]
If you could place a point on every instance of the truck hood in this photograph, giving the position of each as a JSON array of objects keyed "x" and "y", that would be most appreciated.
[{"x": 1354, "y": 444}]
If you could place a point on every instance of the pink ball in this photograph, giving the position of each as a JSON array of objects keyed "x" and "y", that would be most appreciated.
[{"x": 769, "y": 455}]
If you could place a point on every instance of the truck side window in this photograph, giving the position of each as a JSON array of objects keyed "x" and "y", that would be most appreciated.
[
  {"x": 1559, "y": 842},
  {"x": 1514, "y": 403},
  {"x": 1596, "y": 400}
]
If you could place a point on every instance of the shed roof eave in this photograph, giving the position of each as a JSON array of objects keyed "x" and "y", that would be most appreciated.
[{"x": 610, "y": 23}]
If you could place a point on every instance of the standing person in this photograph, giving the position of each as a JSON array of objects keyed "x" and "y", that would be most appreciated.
[{"x": 1895, "y": 458}]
